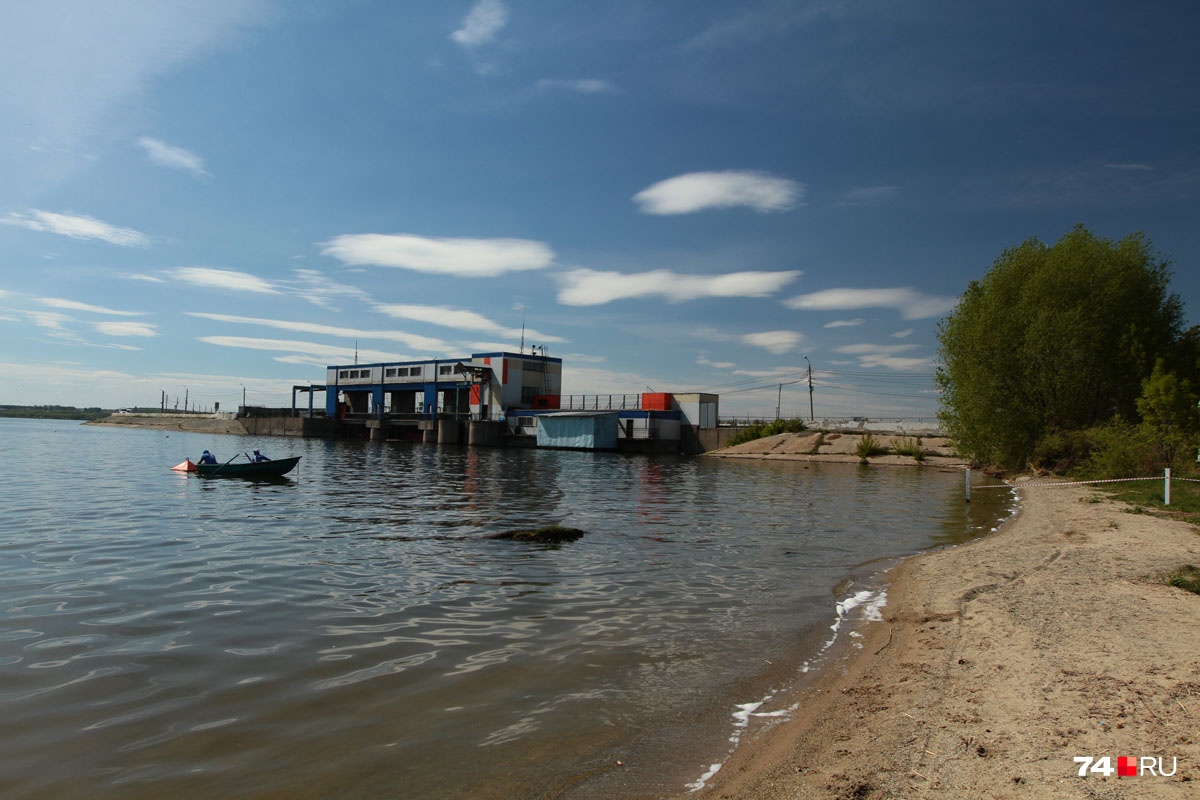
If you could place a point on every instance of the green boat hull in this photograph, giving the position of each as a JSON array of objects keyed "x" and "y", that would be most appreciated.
[{"x": 256, "y": 469}]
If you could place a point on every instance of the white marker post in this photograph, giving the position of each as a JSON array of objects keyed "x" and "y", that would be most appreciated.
[{"x": 1167, "y": 486}]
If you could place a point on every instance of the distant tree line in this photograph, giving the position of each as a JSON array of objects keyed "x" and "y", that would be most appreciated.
[
  {"x": 53, "y": 412},
  {"x": 1072, "y": 357}
]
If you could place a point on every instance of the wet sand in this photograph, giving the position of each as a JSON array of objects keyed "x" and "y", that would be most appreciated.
[{"x": 996, "y": 664}]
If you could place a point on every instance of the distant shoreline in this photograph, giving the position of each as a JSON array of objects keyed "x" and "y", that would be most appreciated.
[{"x": 195, "y": 423}]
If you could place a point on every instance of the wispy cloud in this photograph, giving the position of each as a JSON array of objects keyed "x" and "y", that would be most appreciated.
[
  {"x": 867, "y": 196},
  {"x": 79, "y": 62},
  {"x": 582, "y": 86},
  {"x": 1131, "y": 167},
  {"x": 173, "y": 157},
  {"x": 886, "y": 355},
  {"x": 588, "y": 287},
  {"x": 775, "y": 342},
  {"x": 704, "y": 361},
  {"x": 699, "y": 191},
  {"x": 77, "y": 227},
  {"x": 126, "y": 329},
  {"x": 910, "y": 303},
  {"x": 322, "y": 354},
  {"x": 232, "y": 280},
  {"x": 470, "y": 258},
  {"x": 412, "y": 340},
  {"x": 75, "y": 305},
  {"x": 321, "y": 291},
  {"x": 461, "y": 319},
  {"x": 845, "y": 323},
  {"x": 485, "y": 19}
]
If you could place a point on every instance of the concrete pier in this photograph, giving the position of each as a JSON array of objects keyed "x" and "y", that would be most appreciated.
[{"x": 485, "y": 434}]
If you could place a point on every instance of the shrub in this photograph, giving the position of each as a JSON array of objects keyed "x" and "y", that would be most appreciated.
[
  {"x": 763, "y": 429},
  {"x": 1185, "y": 578},
  {"x": 869, "y": 446},
  {"x": 908, "y": 446}
]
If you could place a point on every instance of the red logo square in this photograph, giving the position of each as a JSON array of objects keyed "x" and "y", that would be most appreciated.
[{"x": 1127, "y": 767}]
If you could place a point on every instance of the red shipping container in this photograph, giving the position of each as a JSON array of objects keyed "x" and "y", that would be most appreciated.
[{"x": 658, "y": 401}]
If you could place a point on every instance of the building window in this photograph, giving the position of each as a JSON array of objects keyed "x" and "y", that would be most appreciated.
[{"x": 446, "y": 369}]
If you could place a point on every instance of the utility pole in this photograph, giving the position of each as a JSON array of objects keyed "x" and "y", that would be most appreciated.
[
  {"x": 778, "y": 402},
  {"x": 811, "y": 417}
]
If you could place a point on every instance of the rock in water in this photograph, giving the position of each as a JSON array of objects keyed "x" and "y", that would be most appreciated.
[{"x": 551, "y": 534}]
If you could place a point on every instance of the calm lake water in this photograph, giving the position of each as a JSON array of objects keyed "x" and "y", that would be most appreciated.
[{"x": 351, "y": 633}]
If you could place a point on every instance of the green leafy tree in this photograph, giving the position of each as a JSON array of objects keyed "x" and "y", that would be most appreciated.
[
  {"x": 1053, "y": 339},
  {"x": 1168, "y": 409}
]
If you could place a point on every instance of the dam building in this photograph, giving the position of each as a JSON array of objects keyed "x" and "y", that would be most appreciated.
[
  {"x": 508, "y": 399},
  {"x": 410, "y": 399}
]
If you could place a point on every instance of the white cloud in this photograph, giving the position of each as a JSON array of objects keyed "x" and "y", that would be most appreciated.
[
  {"x": 77, "y": 227},
  {"x": 416, "y": 342},
  {"x": 582, "y": 86},
  {"x": 70, "y": 67},
  {"x": 126, "y": 329},
  {"x": 482, "y": 23},
  {"x": 74, "y": 305},
  {"x": 904, "y": 334},
  {"x": 867, "y": 196},
  {"x": 697, "y": 191},
  {"x": 323, "y": 292},
  {"x": 888, "y": 356},
  {"x": 845, "y": 323},
  {"x": 704, "y": 361},
  {"x": 320, "y": 353},
  {"x": 210, "y": 278},
  {"x": 1132, "y": 167},
  {"x": 776, "y": 342},
  {"x": 51, "y": 321},
  {"x": 473, "y": 258},
  {"x": 461, "y": 319},
  {"x": 588, "y": 287},
  {"x": 910, "y": 303},
  {"x": 172, "y": 157}
]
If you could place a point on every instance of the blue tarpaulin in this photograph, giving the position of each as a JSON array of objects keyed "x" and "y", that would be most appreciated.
[{"x": 578, "y": 430}]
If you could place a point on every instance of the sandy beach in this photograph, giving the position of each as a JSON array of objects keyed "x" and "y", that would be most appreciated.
[{"x": 998, "y": 663}]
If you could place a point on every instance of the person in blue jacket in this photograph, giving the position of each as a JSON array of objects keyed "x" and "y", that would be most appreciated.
[
  {"x": 258, "y": 456},
  {"x": 207, "y": 458}
]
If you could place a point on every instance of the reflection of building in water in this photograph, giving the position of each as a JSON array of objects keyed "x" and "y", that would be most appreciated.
[{"x": 508, "y": 399}]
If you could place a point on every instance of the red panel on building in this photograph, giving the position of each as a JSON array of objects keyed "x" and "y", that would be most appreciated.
[
  {"x": 547, "y": 401},
  {"x": 658, "y": 401}
]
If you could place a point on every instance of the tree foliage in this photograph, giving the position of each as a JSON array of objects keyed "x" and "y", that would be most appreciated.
[{"x": 1054, "y": 339}]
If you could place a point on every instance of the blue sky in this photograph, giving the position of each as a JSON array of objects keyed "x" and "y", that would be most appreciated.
[{"x": 214, "y": 198}]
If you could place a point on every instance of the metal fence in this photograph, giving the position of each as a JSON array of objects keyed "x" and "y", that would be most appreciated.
[{"x": 1165, "y": 478}]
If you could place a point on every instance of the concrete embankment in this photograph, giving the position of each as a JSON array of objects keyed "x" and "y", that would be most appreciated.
[
  {"x": 844, "y": 447},
  {"x": 222, "y": 424}
]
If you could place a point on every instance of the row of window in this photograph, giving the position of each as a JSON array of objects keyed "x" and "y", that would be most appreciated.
[{"x": 394, "y": 372}]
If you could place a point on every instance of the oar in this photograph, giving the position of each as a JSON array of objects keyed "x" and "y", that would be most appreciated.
[{"x": 226, "y": 464}]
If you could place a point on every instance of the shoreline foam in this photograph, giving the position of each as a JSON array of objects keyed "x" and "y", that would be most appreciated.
[{"x": 996, "y": 663}]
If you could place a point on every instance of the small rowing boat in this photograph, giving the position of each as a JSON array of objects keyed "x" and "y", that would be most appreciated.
[{"x": 276, "y": 468}]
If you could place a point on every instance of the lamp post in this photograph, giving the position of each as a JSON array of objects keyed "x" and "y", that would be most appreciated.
[{"x": 811, "y": 416}]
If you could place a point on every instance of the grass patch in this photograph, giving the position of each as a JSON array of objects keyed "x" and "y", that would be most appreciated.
[
  {"x": 1146, "y": 497},
  {"x": 761, "y": 430},
  {"x": 908, "y": 446},
  {"x": 869, "y": 446},
  {"x": 1184, "y": 578}
]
